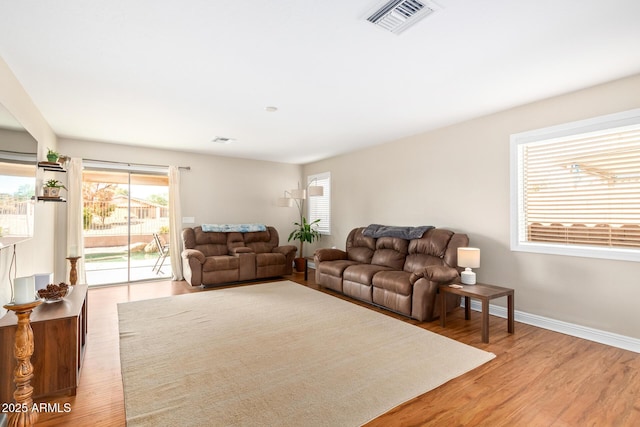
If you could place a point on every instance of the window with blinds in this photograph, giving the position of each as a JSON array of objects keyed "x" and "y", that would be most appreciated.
[
  {"x": 576, "y": 188},
  {"x": 320, "y": 206}
]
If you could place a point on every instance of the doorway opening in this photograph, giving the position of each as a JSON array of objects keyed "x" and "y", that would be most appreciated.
[{"x": 125, "y": 215}]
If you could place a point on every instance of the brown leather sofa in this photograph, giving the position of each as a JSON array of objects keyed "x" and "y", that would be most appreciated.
[
  {"x": 215, "y": 258},
  {"x": 398, "y": 274}
]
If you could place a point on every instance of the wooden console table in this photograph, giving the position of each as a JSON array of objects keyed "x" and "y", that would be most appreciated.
[
  {"x": 484, "y": 293},
  {"x": 60, "y": 338}
]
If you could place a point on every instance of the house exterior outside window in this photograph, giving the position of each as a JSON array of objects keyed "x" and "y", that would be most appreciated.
[{"x": 575, "y": 188}]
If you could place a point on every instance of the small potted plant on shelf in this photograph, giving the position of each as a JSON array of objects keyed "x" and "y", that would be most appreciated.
[
  {"x": 52, "y": 156},
  {"x": 52, "y": 188}
]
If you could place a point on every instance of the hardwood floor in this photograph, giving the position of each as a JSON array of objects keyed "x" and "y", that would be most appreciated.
[{"x": 539, "y": 377}]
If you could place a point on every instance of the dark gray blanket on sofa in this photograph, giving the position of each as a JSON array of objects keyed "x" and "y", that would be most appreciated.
[{"x": 408, "y": 233}]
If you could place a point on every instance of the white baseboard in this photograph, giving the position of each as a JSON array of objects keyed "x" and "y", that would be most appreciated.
[{"x": 602, "y": 337}]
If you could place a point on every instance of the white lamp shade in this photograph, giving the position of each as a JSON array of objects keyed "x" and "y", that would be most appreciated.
[
  {"x": 316, "y": 190},
  {"x": 469, "y": 257},
  {"x": 298, "y": 193},
  {"x": 285, "y": 202}
]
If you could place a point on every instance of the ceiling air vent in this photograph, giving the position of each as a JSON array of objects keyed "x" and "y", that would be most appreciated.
[
  {"x": 223, "y": 140},
  {"x": 398, "y": 15}
]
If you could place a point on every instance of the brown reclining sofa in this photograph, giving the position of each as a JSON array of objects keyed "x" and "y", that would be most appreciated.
[
  {"x": 218, "y": 257},
  {"x": 397, "y": 268}
]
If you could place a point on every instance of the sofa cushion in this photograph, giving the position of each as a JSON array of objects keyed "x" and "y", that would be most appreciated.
[
  {"x": 360, "y": 248},
  {"x": 418, "y": 262},
  {"x": 261, "y": 241},
  {"x": 434, "y": 242},
  {"x": 222, "y": 262},
  {"x": 390, "y": 252},
  {"x": 235, "y": 240},
  {"x": 362, "y": 273},
  {"x": 428, "y": 250},
  {"x": 394, "y": 281},
  {"x": 334, "y": 268},
  {"x": 210, "y": 244}
]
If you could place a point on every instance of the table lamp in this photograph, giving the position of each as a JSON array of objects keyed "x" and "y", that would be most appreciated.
[{"x": 468, "y": 258}]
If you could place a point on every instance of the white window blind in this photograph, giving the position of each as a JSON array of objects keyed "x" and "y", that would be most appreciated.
[
  {"x": 320, "y": 206},
  {"x": 581, "y": 189}
]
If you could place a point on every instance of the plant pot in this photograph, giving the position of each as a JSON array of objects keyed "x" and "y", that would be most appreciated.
[
  {"x": 299, "y": 264},
  {"x": 53, "y": 192},
  {"x": 52, "y": 158}
]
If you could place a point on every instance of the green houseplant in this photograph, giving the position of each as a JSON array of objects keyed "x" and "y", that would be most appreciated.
[
  {"x": 305, "y": 232},
  {"x": 52, "y": 156},
  {"x": 52, "y": 188},
  {"x": 163, "y": 232}
]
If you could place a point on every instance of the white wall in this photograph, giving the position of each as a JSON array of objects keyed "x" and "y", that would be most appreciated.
[
  {"x": 35, "y": 255},
  {"x": 458, "y": 178},
  {"x": 215, "y": 190}
]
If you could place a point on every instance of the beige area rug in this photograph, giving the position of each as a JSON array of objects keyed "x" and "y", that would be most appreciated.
[{"x": 275, "y": 354}]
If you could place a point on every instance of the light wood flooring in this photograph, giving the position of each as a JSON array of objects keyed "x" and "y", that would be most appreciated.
[{"x": 539, "y": 377}]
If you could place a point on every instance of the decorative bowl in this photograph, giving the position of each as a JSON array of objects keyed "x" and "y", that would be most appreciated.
[{"x": 54, "y": 293}]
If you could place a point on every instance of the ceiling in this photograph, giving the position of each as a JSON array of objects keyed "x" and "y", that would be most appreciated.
[{"x": 175, "y": 74}]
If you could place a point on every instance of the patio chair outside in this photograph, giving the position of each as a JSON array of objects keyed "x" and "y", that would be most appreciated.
[{"x": 163, "y": 252}]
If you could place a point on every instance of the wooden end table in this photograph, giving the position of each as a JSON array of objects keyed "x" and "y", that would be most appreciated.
[
  {"x": 307, "y": 259},
  {"x": 484, "y": 293}
]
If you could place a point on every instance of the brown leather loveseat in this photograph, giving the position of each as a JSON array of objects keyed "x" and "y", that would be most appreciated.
[
  {"x": 217, "y": 257},
  {"x": 397, "y": 268}
]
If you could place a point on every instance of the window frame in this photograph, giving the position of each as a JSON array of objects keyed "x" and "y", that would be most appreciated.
[
  {"x": 326, "y": 196},
  {"x": 518, "y": 242}
]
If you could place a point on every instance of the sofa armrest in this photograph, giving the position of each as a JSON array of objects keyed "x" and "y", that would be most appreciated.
[
  {"x": 289, "y": 252},
  {"x": 435, "y": 273},
  {"x": 329, "y": 254},
  {"x": 193, "y": 254},
  {"x": 285, "y": 250},
  {"x": 241, "y": 250},
  {"x": 192, "y": 261},
  {"x": 424, "y": 302}
]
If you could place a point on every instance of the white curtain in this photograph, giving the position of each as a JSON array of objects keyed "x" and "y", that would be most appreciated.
[
  {"x": 75, "y": 235},
  {"x": 175, "y": 223}
]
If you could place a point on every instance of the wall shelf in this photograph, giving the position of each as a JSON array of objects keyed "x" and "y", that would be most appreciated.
[
  {"x": 51, "y": 199},
  {"x": 49, "y": 166},
  {"x": 52, "y": 167}
]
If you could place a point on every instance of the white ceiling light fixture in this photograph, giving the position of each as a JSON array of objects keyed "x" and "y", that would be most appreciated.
[
  {"x": 398, "y": 15},
  {"x": 223, "y": 140},
  {"x": 271, "y": 109}
]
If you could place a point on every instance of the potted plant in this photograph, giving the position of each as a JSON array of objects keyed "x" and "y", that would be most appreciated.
[
  {"x": 163, "y": 231},
  {"x": 305, "y": 232},
  {"x": 52, "y": 156},
  {"x": 52, "y": 188}
]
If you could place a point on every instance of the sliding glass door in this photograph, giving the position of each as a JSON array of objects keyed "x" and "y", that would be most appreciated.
[{"x": 125, "y": 214}]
